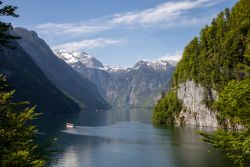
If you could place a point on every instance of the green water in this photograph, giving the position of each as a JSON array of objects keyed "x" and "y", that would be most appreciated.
[{"x": 122, "y": 138}]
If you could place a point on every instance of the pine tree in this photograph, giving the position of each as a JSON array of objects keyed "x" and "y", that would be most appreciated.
[
  {"x": 234, "y": 105},
  {"x": 5, "y": 37},
  {"x": 219, "y": 59},
  {"x": 17, "y": 135}
]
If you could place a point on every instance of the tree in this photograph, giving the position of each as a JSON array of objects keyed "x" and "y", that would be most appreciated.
[
  {"x": 234, "y": 105},
  {"x": 166, "y": 108},
  {"x": 234, "y": 102},
  {"x": 234, "y": 144},
  {"x": 17, "y": 135},
  {"x": 6, "y": 37},
  {"x": 219, "y": 59}
]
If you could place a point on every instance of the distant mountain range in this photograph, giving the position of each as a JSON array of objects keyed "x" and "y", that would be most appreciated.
[
  {"x": 42, "y": 78},
  {"x": 138, "y": 86},
  {"x": 81, "y": 89},
  {"x": 64, "y": 81}
]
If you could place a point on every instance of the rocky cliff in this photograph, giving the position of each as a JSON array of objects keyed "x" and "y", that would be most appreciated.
[
  {"x": 194, "y": 111},
  {"x": 210, "y": 75}
]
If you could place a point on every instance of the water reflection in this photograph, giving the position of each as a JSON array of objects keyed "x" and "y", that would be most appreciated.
[{"x": 126, "y": 138}]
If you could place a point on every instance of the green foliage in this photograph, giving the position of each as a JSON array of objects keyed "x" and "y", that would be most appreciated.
[
  {"x": 234, "y": 105},
  {"x": 234, "y": 102},
  {"x": 235, "y": 145},
  {"x": 5, "y": 37},
  {"x": 233, "y": 83},
  {"x": 16, "y": 136},
  {"x": 221, "y": 54},
  {"x": 166, "y": 108},
  {"x": 220, "y": 59}
]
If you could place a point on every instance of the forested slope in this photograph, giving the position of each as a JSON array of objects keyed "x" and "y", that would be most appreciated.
[
  {"x": 219, "y": 56},
  {"x": 211, "y": 85}
]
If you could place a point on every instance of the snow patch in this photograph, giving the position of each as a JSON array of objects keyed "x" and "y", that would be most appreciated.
[{"x": 75, "y": 58}]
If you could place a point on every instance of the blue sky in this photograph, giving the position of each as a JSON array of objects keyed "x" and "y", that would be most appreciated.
[{"x": 118, "y": 32}]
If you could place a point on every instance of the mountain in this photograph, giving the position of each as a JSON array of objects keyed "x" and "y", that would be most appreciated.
[
  {"x": 211, "y": 81},
  {"x": 81, "y": 89},
  {"x": 138, "y": 86},
  {"x": 31, "y": 84}
]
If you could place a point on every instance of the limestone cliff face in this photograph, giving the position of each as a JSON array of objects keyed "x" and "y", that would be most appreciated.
[{"x": 194, "y": 111}]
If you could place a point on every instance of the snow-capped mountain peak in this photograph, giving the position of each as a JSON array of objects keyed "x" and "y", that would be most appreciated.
[
  {"x": 155, "y": 64},
  {"x": 122, "y": 87},
  {"x": 75, "y": 57},
  {"x": 78, "y": 59},
  {"x": 67, "y": 56}
]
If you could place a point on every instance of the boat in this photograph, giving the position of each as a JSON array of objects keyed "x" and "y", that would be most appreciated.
[{"x": 69, "y": 125}]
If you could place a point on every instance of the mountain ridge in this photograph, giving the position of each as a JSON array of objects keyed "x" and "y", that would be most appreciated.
[
  {"x": 81, "y": 89},
  {"x": 30, "y": 83},
  {"x": 72, "y": 57},
  {"x": 137, "y": 86}
]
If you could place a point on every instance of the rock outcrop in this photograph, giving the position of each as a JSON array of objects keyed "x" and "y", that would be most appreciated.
[{"x": 194, "y": 111}]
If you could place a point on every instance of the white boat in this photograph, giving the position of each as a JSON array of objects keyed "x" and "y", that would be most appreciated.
[{"x": 69, "y": 125}]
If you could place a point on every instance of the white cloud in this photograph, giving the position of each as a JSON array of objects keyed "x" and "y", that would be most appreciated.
[
  {"x": 175, "y": 57},
  {"x": 186, "y": 22},
  {"x": 165, "y": 12},
  {"x": 165, "y": 15},
  {"x": 88, "y": 44},
  {"x": 72, "y": 29}
]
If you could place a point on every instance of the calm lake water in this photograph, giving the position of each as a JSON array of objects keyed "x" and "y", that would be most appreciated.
[{"x": 122, "y": 138}]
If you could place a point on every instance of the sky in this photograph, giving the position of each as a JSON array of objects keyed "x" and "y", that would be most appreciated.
[{"x": 118, "y": 32}]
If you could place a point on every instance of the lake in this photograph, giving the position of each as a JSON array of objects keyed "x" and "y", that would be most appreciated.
[{"x": 126, "y": 138}]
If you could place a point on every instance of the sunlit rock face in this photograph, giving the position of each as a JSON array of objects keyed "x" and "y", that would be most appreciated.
[
  {"x": 194, "y": 111},
  {"x": 138, "y": 86}
]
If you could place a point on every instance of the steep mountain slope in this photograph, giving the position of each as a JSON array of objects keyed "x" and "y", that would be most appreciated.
[
  {"x": 87, "y": 66},
  {"x": 210, "y": 64},
  {"x": 31, "y": 84},
  {"x": 137, "y": 86},
  {"x": 141, "y": 85},
  {"x": 62, "y": 75}
]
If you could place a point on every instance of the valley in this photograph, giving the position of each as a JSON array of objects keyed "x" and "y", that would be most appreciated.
[
  {"x": 129, "y": 84},
  {"x": 139, "y": 86}
]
